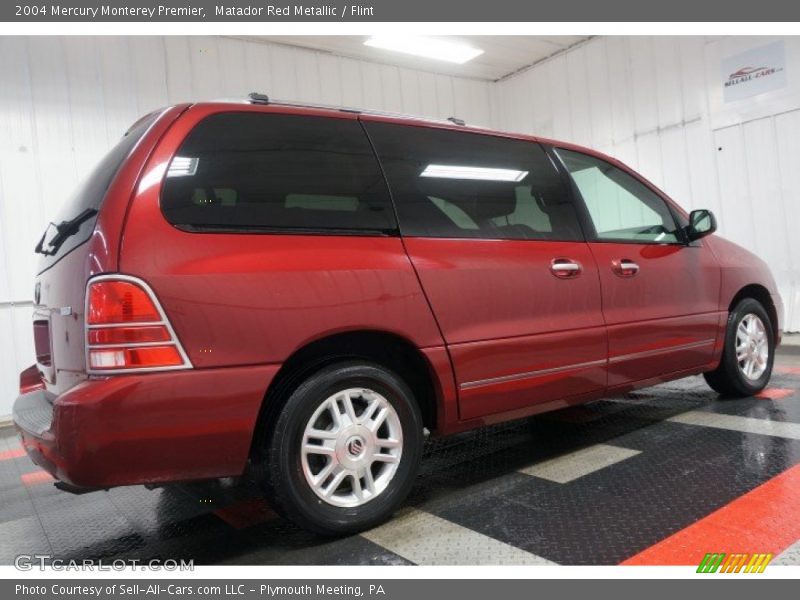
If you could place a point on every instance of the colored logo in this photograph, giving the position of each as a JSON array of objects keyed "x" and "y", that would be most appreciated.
[
  {"x": 749, "y": 73},
  {"x": 719, "y": 562}
]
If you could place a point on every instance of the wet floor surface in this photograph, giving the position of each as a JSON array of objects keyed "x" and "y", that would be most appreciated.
[{"x": 624, "y": 479}]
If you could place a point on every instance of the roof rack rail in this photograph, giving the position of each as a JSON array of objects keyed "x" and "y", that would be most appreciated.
[{"x": 257, "y": 98}]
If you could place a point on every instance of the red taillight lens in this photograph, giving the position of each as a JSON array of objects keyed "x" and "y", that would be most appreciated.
[
  {"x": 129, "y": 335},
  {"x": 146, "y": 357},
  {"x": 125, "y": 329},
  {"x": 119, "y": 302}
]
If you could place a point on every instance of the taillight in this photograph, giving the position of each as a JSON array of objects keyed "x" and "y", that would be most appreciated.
[
  {"x": 113, "y": 302},
  {"x": 126, "y": 329}
]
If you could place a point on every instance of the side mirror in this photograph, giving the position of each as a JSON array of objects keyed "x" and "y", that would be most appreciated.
[{"x": 702, "y": 222}]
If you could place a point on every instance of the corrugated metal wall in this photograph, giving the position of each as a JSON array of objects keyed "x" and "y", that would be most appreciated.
[
  {"x": 64, "y": 102},
  {"x": 646, "y": 100}
]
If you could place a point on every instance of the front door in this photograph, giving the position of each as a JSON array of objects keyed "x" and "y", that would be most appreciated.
[
  {"x": 494, "y": 237},
  {"x": 660, "y": 295}
]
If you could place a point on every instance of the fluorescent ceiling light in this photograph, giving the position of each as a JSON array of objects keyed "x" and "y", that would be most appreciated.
[
  {"x": 182, "y": 166},
  {"x": 480, "y": 173},
  {"x": 454, "y": 52}
]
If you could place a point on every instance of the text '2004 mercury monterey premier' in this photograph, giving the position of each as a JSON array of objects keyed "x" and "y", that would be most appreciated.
[{"x": 299, "y": 292}]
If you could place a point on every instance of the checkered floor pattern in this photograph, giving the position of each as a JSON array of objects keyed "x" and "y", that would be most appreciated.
[{"x": 654, "y": 477}]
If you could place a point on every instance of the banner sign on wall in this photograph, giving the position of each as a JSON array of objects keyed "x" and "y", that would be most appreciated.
[{"x": 753, "y": 72}]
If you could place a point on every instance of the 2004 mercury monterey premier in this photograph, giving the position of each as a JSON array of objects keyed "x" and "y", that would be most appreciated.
[{"x": 303, "y": 291}]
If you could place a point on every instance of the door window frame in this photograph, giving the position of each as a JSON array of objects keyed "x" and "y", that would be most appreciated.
[
  {"x": 585, "y": 217},
  {"x": 552, "y": 159},
  {"x": 393, "y": 231}
]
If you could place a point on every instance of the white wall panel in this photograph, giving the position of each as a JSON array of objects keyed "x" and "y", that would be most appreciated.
[
  {"x": 410, "y": 92},
  {"x": 675, "y": 164},
  {"x": 559, "y": 98},
  {"x": 541, "y": 102},
  {"x": 350, "y": 72},
  {"x": 577, "y": 92},
  {"x": 701, "y": 156},
  {"x": 233, "y": 78},
  {"x": 619, "y": 74},
  {"x": 65, "y": 101},
  {"x": 598, "y": 86},
  {"x": 178, "y": 68},
  {"x": 390, "y": 89},
  {"x": 669, "y": 99},
  {"x": 648, "y": 153},
  {"x": 735, "y": 211},
  {"x": 787, "y": 148},
  {"x": 371, "y": 85},
  {"x": 258, "y": 71},
  {"x": 444, "y": 96},
  {"x": 20, "y": 165},
  {"x": 644, "y": 91},
  {"x": 647, "y": 102},
  {"x": 427, "y": 91},
  {"x": 692, "y": 77}
]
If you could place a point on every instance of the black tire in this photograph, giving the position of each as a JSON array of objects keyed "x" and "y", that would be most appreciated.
[
  {"x": 279, "y": 466},
  {"x": 728, "y": 378}
]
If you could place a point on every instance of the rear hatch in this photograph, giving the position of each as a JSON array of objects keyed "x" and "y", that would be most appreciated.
[{"x": 66, "y": 262}]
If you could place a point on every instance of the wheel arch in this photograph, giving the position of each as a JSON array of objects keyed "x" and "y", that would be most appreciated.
[
  {"x": 384, "y": 348},
  {"x": 761, "y": 294}
]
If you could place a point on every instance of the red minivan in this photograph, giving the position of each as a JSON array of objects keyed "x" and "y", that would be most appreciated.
[{"x": 301, "y": 292}]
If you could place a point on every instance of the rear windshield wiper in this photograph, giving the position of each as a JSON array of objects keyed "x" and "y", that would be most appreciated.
[{"x": 64, "y": 230}]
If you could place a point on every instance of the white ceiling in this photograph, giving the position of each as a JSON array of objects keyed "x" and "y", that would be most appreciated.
[{"x": 502, "y": 54}]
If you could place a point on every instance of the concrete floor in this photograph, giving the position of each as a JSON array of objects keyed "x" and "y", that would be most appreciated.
[{"x": 660, "y": 476}]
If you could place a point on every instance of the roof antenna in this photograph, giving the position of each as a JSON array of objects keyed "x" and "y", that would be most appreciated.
[
  {"x": 257, "y": 98},
  {"x": 455, "y": 120}
]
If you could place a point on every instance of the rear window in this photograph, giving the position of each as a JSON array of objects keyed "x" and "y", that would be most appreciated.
[
  {"x": 457, "y": 184},
  {"x": 76, "y": 220},
  {"x": 256, "y": 172}
]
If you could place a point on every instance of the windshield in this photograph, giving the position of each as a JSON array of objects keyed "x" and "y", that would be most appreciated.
[{"x": 76, "y": 220}]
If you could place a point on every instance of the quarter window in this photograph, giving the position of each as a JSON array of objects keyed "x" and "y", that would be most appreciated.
[
  {"x": 621, "y": 207},
  {"x": 456, "y": 184},
  {"x": 254, "y": 171}
]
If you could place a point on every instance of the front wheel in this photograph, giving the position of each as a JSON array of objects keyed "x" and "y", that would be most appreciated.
[
  {"x": 749, "y": 352},
  {"x": 344, "y": 450}
]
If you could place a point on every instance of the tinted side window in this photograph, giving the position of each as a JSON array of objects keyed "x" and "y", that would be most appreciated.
[
  {"x": 621, "y": 207},
  {"x": 457, "y": 184},
  {"x": 256, "y": 171}
]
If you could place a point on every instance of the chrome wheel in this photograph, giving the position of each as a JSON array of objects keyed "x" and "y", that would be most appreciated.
[
  {"x": 351, "y": 447},
  {"x": 752, "y": 347}
]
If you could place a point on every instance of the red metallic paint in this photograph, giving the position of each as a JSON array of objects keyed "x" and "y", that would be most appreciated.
[
  {"x": 503, "y": 313},
  {"x": 130, "y": 429},
  {"x": 671, "y": 302},
  {"x": 254, "y": 299},
  {"x": 740, "y": 268},
  {"x": 503, "y": 337},
  {"x": 64, "y": 285}
]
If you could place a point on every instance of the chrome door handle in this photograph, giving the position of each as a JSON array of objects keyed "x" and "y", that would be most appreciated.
[
  {"x": 624, "y": 267},
  {"x": 564, "y": 268}
]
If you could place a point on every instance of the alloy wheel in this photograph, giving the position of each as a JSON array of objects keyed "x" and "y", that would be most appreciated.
[
  {"x": 752, "y": 347},
  {"x": 351, "y": 447}
]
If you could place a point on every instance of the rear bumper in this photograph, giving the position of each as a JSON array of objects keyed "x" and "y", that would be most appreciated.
[{"x": 145, "y": 428}]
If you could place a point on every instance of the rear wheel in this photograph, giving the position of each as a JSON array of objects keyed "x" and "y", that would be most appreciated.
[
  {"x": 749, "y": 352},
  {"x": 344, "y": 450}
]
